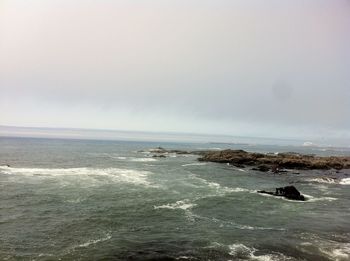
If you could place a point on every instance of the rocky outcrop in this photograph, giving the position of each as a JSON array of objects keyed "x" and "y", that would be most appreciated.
[
  {"x": 159, "y": 156},
  {"x": 289, "y": 192},
  {"x": 276, "y": 162},
  {"x": 160, "y": 151}
]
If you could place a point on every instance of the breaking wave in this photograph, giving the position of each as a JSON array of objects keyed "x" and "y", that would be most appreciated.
[
  {"x": 132, "y": 176},
  {"x": 95, "y": 241},
  {"x": 194, "y": 164},
  {"x": 181, "y": 204},
  {"x": 241, "y": 251},
  {"x": 323, "y": 180},
  {"x": 345, "y": 181}
]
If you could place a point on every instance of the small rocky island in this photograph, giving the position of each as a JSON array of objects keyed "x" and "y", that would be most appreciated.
[
  {"x": 279, "y": 162},
  {"x": 276, "y": 162}
]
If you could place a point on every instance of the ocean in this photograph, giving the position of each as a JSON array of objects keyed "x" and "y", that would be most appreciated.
[{"x": 111, "y": 200}]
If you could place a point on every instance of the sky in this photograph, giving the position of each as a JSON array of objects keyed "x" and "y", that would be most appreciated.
[{"x": 233, "y": 67}]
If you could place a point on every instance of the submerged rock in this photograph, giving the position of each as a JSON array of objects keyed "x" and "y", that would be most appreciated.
[{"x": 289, "y": 192}]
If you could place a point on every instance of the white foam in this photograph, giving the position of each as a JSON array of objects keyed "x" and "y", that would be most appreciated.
[
  {"x": 242, "y": 251},
  {"x": 181, "y": 204},
  {"x": 112, "y": 174},
  {"x": 148, "y": 159},
  {"x": 238, "y": 226},
  {"x": 224, "y": 189},
  {"x": 310, "y": 198},
  {"x": 218, "y": 189},
  {"x": 91, "y": 242},
  {"x": 341, "y": 252},
  {"x": 194, "y": 164},
  {"x": 143, "y": 159},
  {"x": 323, "y": 180},
  {"x": 121, "y": 158},
  {"x": 345, "y": 181}
]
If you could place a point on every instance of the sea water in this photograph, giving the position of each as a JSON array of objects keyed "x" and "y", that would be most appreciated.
[{"x": 111, "y": 200}]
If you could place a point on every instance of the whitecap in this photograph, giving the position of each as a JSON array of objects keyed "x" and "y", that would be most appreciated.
[
  {"x": 121, "y": 158},
  {"x": 181, "y": 204},
  {"x": 345, "y": 181},
  {"x": 242, "y": 251},
  {"x": 148, "y": 159},
  {"x": 238, "y": 226},
  {"x": 112, "y": 174},
  {"x": 224, "y": 189},
  {"x": 143, "y": 159},
  {"x": 95, "y": 241},
  {"x": 219, "y": 190},
  {"x": 340, "y": 252},
  {"x": 194, "y": 164},
  {"x": 322, "y": 180},
  {"x": 314, "y": 199}
]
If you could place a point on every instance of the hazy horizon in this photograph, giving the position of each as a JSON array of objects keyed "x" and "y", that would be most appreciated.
[
  {"x": 267, "y": 69},
  {"x": 159, "y": 136}
]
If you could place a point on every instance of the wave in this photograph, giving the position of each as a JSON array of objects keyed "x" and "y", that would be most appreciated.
[
  {"x": 236, "y": 225},
  {"x": 121, "y": 158},
  {"x": 181, "y": 204},
  {"x": 309, "y": 198},
  {"x": 113, "y": 174},
  {"x": 194, "y": 164},
  {"x": 345, "y": 181},
  {"x": 218, "y": 189},
  {"x": 240, "y": 251},
  {"x": 333, "y": 250},
  {"x": 148, "y": 159},
  {"x": 339, "y": 253},
  {"x": 143, "y": 159},
  {"x": 322, "y": 180},
  {"x": 92, "y": 242},
  {"x": 224, "y": 189}
]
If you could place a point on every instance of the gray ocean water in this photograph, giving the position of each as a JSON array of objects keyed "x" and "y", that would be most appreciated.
[{"x": 105, "y": 200}]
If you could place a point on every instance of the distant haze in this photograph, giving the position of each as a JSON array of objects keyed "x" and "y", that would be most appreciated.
[{"x": 277, "y": 69}]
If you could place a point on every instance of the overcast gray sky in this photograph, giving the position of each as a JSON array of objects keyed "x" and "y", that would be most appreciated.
[{"x": 267, "y": 68}]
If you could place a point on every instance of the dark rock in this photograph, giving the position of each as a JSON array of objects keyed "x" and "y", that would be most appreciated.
[
  {"x": 289, "y": 192},
  {"x": 263, "y": 168},
  {"x": 158, "y": 150},
  {"x": 159, "y": 156},
  {"x": 277, "y": 163}
]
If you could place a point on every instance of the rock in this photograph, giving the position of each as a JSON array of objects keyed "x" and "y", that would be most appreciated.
[
  {"x": 159, "y": 156},
  {"x": 289, "y": 192},
  {"x": 263, "y": 168},
  {"x": 158, "y": 150},
  {"x": 277, "y": 163}
]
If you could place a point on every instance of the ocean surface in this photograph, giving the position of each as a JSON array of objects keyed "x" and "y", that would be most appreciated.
[{"x": 106, "y": 200}]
